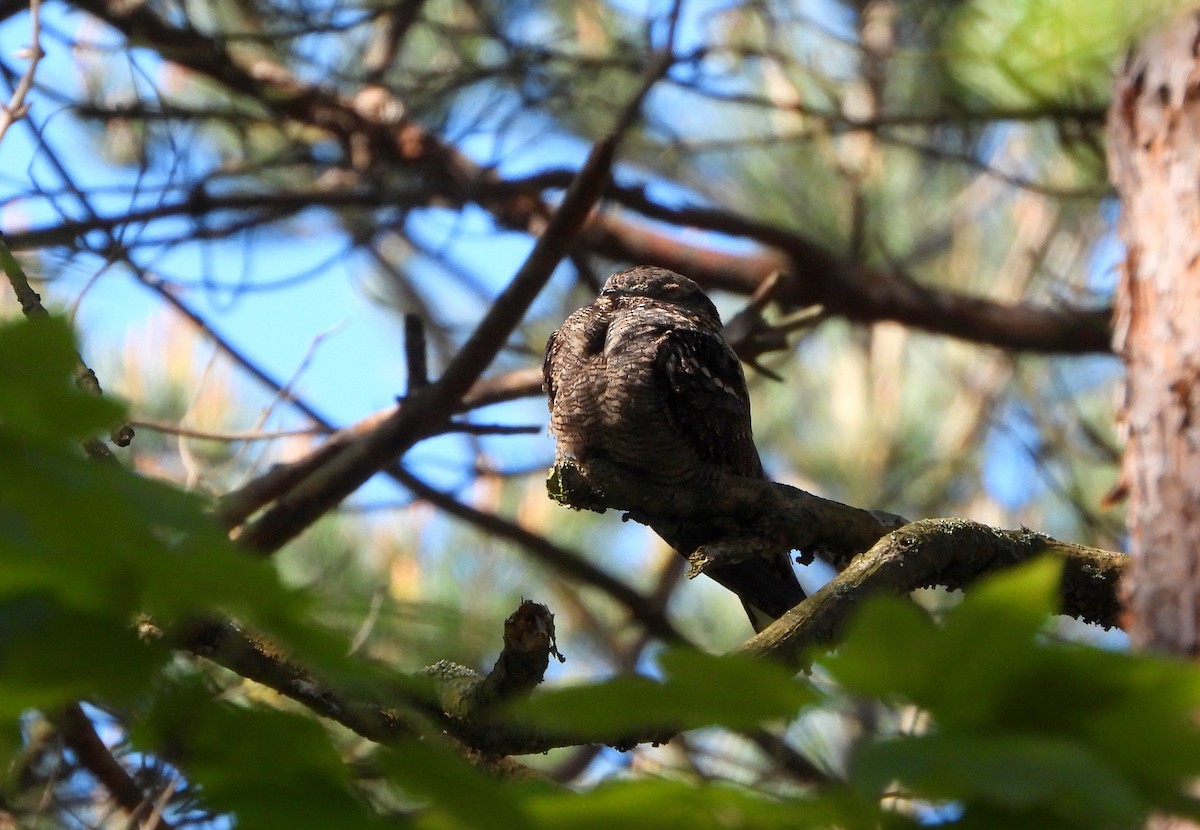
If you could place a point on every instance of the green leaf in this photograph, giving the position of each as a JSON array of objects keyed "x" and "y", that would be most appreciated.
[
  {"x": 1019, "y": 599},
  {"x": 1024, "y": 730},
  {"x": 267, "y": 767},
  {"x": 885, "y": 652},
  {"x": 964, "y": 670},
  {"x": 1136, "y": 710},
  {"x": 455, "y": 794},
  {"x": 50, "y": 654},
  {"x": 1064, "y": 782},
  {"x": 38, "y": 397},
  {"x": 988, "y": 645},
  {"x": 99, "y": 537},
  {"x": 85, "y": 547},
  {"x": 697, "y": 690},
  {"x": 674, "y": 805}
]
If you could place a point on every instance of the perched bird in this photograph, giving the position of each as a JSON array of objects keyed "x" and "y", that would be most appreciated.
[{"x": 642, "y": 377}]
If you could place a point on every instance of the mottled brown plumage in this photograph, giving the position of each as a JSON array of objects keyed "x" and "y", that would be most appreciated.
[{"x": 642, "y": 377}]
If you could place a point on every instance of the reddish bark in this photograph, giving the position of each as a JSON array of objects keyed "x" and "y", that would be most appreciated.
[{"x": 1154, "y": 161}]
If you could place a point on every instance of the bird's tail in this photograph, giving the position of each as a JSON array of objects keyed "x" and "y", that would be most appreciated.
[{"x": 767, "y": 587}]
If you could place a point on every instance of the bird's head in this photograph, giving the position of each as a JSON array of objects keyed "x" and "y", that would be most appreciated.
[{"x": 659, "y": 285}]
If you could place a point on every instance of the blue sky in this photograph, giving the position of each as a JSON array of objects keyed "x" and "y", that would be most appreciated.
[{"x": 357, "y": 368}]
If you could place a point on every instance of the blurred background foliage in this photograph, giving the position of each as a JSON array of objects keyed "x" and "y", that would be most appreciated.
[{"x": 203, "y": 234}]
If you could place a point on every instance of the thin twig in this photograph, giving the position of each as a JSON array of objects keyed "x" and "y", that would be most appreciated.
[
  {"x": 16, "y": 108},
  {"x": 650, "y": 612},
  {"x": 220, "y": 435},
  {"x": 85, "y": 378}
]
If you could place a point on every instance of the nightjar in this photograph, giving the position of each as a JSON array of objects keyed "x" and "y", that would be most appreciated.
[{"x": 643, "y": 378}]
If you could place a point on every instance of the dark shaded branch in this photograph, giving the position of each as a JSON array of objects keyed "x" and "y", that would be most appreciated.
[
  {"x": 452, "y": 711},
  {"x": 857, "y": 293},
  {"x": 773, "y": 516},
  {"x": 391, "y": 28},
  {"x": 279, "y": 205},
  {"x": 415, "y": 356},
  {"x": 519, "y": 383},
  {"x": 93, "y": 755},
  {"x": 226, "y": 645},
  {"x": 839, "y": 122}
]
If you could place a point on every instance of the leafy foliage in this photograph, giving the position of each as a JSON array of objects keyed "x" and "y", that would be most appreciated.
[
  {"x": 698, "y": 690},
  {"x": 682, "y": 806},
  {"x": 1030, "y": 53},
  {"x": 88, "y": 538},
  {"x": 267, "y": 767},
  {"x": 88, "y": 549},
  {"x": 1024, "y": 729}
]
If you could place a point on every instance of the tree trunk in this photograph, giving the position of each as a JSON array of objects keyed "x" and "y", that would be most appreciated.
[{"x": 1154, "y": 161}]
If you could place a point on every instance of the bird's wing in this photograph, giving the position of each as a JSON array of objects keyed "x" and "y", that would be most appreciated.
[
  {"x": 708, "y": 403},
  {"x": 706, "y": 399},
  {"x": 548, "y": 368}
]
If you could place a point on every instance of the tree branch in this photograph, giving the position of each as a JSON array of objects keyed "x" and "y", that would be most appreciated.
[
  {"x": 462, "y": 695},
  {"x": 225, "y": 644},
  {"x": 775, "y": 516},
  {"x": 93, "y": 755},
  {"x": 949, "y": 552},
  {"x": 528, "y": 643}
]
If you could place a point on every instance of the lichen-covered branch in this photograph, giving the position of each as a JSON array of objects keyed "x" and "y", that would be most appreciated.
[
  {"x": 454, "y": 708},
  {"x": 949, "y": 552},
  {"x": 528, "y": 643}
]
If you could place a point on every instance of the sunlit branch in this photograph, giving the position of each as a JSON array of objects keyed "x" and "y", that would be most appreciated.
[
  {"x": 949, "y": 552},
  {"x": 222, "y": 435},
  {"x": 16, "y": 108}
]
